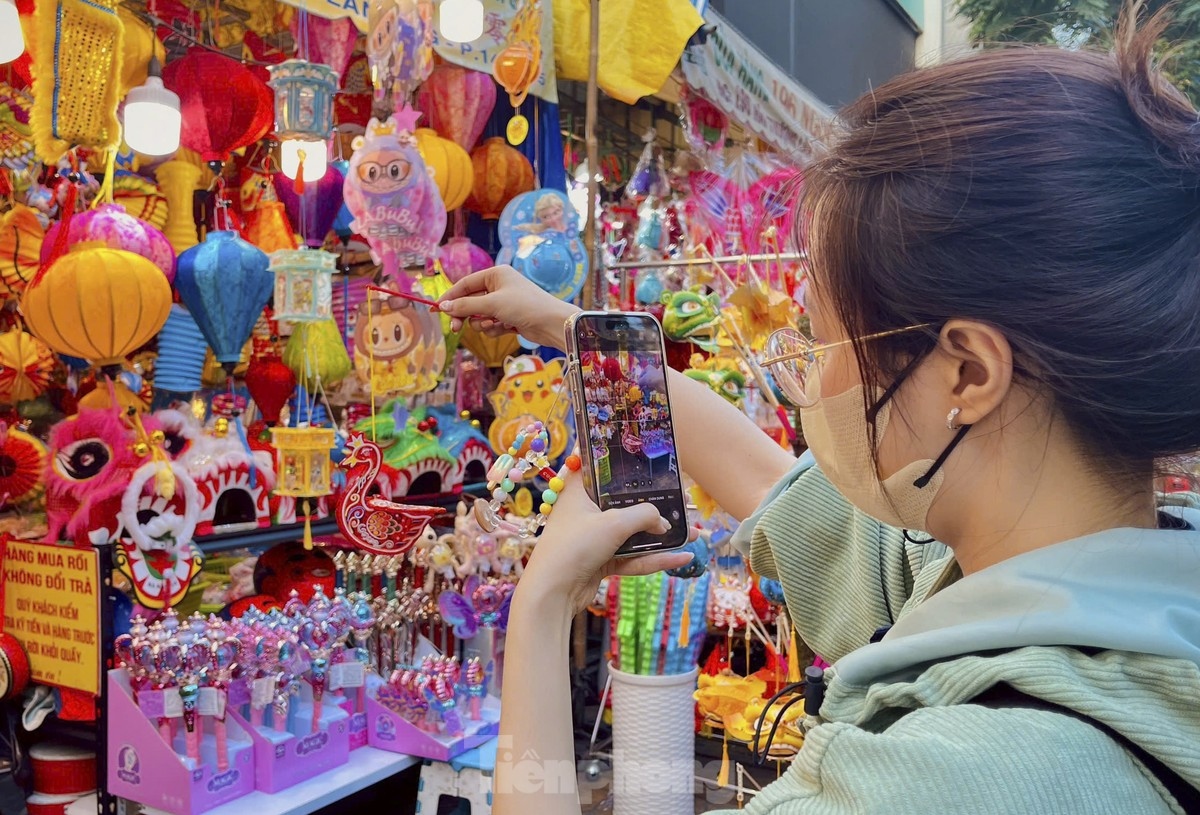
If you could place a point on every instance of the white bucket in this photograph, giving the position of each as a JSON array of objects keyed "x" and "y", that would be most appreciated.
[{"x": 654, "y": 728}]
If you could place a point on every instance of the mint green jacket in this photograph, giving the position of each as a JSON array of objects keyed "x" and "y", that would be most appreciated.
[{"x": 1130, "y": 598}]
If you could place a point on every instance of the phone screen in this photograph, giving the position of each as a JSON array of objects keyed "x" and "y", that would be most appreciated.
[{"x": 627, "y": 420}]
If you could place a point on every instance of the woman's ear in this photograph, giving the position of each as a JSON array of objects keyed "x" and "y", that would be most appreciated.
[{"x": 983, "y": 371}]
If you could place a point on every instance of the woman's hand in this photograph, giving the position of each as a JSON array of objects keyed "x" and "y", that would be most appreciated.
[
  {"x": 501, "y": 299},
  {"x": 576, "y": 550}
]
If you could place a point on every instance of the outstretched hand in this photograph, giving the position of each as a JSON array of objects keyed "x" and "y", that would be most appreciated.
[{"x": 500, "y": 300}]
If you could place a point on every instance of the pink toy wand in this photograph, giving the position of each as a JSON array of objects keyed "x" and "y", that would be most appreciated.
[
  {"x": 189, "y": 692},
  {"x": 166, "y": 661},
  {"x": 283, "y": 686},
  {"x": 224, "y": 657},
  {"x": 476, "y": 685}
]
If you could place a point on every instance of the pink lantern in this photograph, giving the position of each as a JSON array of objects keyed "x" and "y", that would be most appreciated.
[
  {"x": 330, "y": 42},
  {"x": 458, "y": 103},
  {"x": 460, "y": 257},
  {"x": 111, "y": 225}
]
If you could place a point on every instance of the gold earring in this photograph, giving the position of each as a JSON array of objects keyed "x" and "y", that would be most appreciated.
[{"x": 951, "y": 424}]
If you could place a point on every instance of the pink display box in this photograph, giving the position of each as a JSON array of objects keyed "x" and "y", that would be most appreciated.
[
  {"x": 358, "y": 722},
  {"x": 389, "y": 731},
  {"x": 282, "y": 760},
  {"x": 145, "y": 769}
]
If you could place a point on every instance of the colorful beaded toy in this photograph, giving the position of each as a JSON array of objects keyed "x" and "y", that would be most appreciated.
[{"x": 526, "y": 457}]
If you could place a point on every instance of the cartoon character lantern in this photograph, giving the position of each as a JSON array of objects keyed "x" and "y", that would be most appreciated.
[
  {"x": 399, "y": 349},
  {"x": 530, "y": 392},
  {"x": 399, "y": 46},
  {"x": 397, "y": 207}
]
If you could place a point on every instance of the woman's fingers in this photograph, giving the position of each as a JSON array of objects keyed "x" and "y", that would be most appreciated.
[{"x": 649, "y": 564}]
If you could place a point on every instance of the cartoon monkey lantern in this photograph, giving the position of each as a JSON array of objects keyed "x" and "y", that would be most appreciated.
[{"x": 399, "y": 349}]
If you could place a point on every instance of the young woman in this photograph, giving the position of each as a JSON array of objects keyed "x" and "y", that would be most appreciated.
[{"x": 1004, "y": 300}]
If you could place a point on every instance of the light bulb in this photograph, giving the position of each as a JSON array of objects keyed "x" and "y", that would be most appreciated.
[
  {"x": 152, "y": 117},
  {"x": 316, "y": 158},
  {"x": 461, "y": 20},
  {"x": 12, "y": 41}
]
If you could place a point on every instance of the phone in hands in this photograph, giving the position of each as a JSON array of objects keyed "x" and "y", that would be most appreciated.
[{"x": 618, "y": 381}]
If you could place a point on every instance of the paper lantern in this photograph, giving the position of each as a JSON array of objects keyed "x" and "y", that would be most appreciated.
[
  {"x": 271, "y": 384},
  {"x": 302, "y": 460},
  {"x": 458, "y": 103},
  {"x": 450, "y": 166},
  {"x": 316, "y": 354},
  {"x": 111, "y": 225},
  {"x": 181, "y": 353},
  {"x": 225, "y": 283},
  {"x": 501, "y": 174},
  {"x": 329, "y": 41},
  {"x": 141, "y": 199},
  {"x": 491, "y": 351},
  {"x": 396, "y": 205},
  {"x": 460, "y": 257},
  {"x": 268, "y": 228},
  {"x": 25, "y": 367},
  {"x": 21, "y": 238},
  {"x": 178, "y": 181},
  {"x": 22, "y": 467},
  {"x": 312, "y": 213},
  {"x": 225, "y": 105},
  {"x": 97, "y": 303},
  {"x": 303, "y": 284}
]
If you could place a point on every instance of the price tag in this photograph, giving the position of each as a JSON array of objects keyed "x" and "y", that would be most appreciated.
[
  {"x": 262, "y": 692},
  {"x": 350, "y": 674},
  {"x": 212, "y": 702},
  {"x": 172, "y": 704}
]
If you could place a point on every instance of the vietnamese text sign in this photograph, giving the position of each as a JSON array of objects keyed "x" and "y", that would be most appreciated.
[{"x": 52, "y": 605}]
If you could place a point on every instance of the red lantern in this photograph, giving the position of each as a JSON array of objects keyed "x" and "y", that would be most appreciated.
[
  {"x": 225, "y": 106},
  {"x": 271, "y": 384},
  {"x": 612, "y": 369}
]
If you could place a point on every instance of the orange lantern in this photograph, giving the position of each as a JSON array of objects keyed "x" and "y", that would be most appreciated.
[
  {"x": 25, "y": 367},
  {"x": 97, "y": 303},
  {"x": 450, "y": 166},
  {"x": 516, "y": 68},
  {"x": 21, "y": 237},
  {"x": 501, "y": 174},
  {"x": 268, "y": 228}
]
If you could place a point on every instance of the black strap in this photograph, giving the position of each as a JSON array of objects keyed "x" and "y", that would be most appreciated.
[{"x": 1186, "y": 795}]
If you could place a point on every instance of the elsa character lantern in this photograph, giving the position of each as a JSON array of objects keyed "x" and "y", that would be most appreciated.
[
  {"x": 539, "y": 236},
  {"x": 395, "y": 203}
]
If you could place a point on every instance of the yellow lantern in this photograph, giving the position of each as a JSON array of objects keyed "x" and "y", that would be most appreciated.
[
  {"x": 97, "y": 303},
  {"x": 25, "y": 367},
  {"x": 450, "y": 166},
  {"x": 302, "y": 461},
  {"x": 267, "y": 227},
  {"x": 138, "y": 45},
  {"x": 178, "y": 180}
]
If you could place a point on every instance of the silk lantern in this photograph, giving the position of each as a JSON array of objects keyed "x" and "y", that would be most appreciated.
[
  {"x": 312, "y": 213},
  {"x": 111, "y": 225},
  {"x": 25, "y": 367},
  {"x": 458, "y": 102},
  {"x": 330, "y": 42},
  {"x": 270, "y": 384},
  {"x": 303, "y": 285},
  {"x": 501, "y": 174},
  {"x": 97, "y": 303},
  {"x": 225, "y": 283},
  {"x": 450, "y": 166},
  {"x": 460, "y": 258},
  {"x": 181, "y": 353},
  {"x": 21, "y": 238},
  {"x": 268, "y": 228},
  {"x": 316, "y": 354},
  {"x": 225, "y": 105}
]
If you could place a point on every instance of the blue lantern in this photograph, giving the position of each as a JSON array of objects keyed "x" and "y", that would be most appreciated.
[
  {"x": 181, "y": 352},
  {"x": 303, "y": 99},
  {"x": 225, "y": 282}
]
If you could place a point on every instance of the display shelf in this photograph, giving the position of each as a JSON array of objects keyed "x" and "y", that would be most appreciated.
[{"x": 367, "y": 766}]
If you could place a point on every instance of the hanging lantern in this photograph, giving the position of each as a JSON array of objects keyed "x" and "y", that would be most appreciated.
[
  {"x": 303, "y": 99},
  {"x": 97, "y": 303},
  {"x": 303, "y": 284},
  {"x": 460, "y": 258},
  {"x": 21, "y": 238},
  {"x": 181, "y": 352},
  {"x": 225, "y": 283},
  {"x": 268, "y": 228},
  {"x": 458, "y": 102},
  {"x": 330, "y": 42},
  {"x": 22, "y": 467},
  {"x": 178, "y": 180},
  {"x": 271, "y": 384},
  {"x": 316, "y": 355},
  {"x": 25, "y": 367},
  {"x": 302, "y": 460},
  {"x": 214, "y": 125},
  {"x": 501, "y": 174},
  {"x": 449, "y": 164},
  {"x": 516, "y": 69},
  {"x": 313, "y": 212},
  {"x": 304, "y": 410},
  {"x": 491, "y": 351},
  {"x": 141, "y": 199},
  {"x": 111, "y": 225}
]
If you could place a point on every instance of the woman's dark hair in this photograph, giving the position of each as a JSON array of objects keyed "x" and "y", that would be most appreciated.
[{"x": 1054, "y": 194}]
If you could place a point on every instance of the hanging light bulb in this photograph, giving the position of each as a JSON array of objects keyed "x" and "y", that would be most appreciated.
[
  {"x": 152, "y": 117},
  {"x": 12, "y": 41},
  {"x": 461, "y": 20},
  {"x": 312, "y": 155}
]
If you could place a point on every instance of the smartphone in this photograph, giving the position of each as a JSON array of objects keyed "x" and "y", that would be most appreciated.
[{"x": 618, "y": 380}]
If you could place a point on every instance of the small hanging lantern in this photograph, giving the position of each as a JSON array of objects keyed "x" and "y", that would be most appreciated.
[
  {"x": 303, "y": 284},
  {"x": 303, "y": 115},
  {"x": 302, "y": 460}
]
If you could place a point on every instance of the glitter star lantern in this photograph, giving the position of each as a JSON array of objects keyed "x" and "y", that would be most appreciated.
[{"x": 303, "y": 285}]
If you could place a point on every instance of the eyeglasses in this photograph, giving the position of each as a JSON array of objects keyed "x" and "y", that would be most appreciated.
[{"x": 791, "y": 355}]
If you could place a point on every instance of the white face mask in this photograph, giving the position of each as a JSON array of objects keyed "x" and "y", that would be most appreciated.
[{"x": 837, "y": 433}]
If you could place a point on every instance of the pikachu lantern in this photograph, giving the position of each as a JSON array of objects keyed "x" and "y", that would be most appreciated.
[{"x": 531, "y": 390}]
